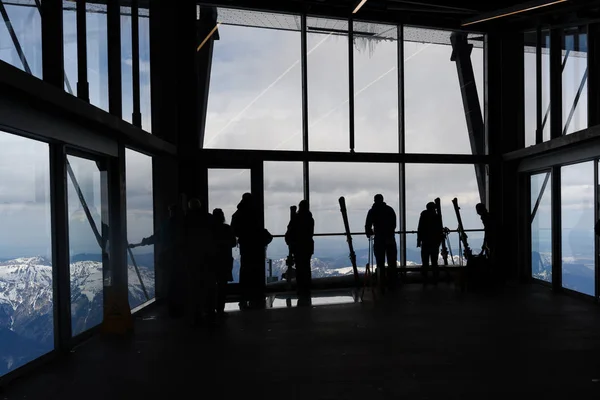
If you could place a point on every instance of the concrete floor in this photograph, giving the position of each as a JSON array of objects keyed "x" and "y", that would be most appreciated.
[{"x": 422, "y": 343}]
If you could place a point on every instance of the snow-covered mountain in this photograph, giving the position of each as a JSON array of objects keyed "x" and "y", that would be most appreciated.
[{"x": 26, "y": 307}]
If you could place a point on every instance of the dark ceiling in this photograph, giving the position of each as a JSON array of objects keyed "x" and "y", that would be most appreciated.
[{"x": 431, "y": 13}]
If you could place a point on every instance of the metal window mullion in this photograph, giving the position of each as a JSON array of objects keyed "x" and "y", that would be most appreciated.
[
  {"x": 596, "y": 241},
  {"x": 351, "y": 83},
  {"x": 14, "y": 38},
  {"x": 539, "y": 134},
  {"x": 51, "y": 12},
  {"x": 556, "y": 229},
  {"x": 304, "y": 68},
  {"x": 401, "y": 144}
]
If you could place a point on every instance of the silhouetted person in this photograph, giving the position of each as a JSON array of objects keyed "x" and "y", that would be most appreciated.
[
  {"x": 247, "y": 227},
  {"x": 224, "y": 242},
  {"x": 299, "y": 237},
  {"x": 166, "y": 237},
  {"x": 489, "y": 228},
  {"x": 381, "y": 222},
  {"x": 597, "y": 228},
  {"x": 200, "y": 253},
  {"x": 430, "y": 234}
]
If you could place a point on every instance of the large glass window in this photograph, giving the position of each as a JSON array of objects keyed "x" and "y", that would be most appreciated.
[
  {"x": 255, "y": 96},
  {"x": 26, "y": 301},
  {"x": 140, "y": 225},
  {"x": 425, "y": 183},
  {"x": 97, "y": 54},
  {"x": 376, "y": 87},
  {"x": 145, "y": 97},
  {"x": 577, "y": 219},
  {"x": 530, "y": 56},
  {"x": 88, "y": 238},
  {"x": 21, "y": 37},
  {"x": 328, "y": 96},
  {"x": 574, "y": 80},
  {"x": 434, "y": 110},
  {"x": 358, "y": 183},
  {"x": 541, "y": 226},
  {"x": 126, "y": 64},
  {"x": 545, "y": 50}
]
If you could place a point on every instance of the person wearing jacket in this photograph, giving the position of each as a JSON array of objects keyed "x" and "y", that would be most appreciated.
[
  {"x": 430, "y": 234},
  {"x": 381, "y": 223},
  {"x": 224, "y": 242},
  {"x": 299, "y": 237}
]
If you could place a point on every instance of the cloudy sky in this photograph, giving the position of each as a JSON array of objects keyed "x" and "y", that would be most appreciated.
[{"x": 255, "y": 103}]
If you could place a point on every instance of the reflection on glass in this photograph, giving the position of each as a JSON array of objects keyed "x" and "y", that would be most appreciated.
[
  {"x": 577, "y": 216},
  {"x": 358, "y": 183},
  {"x": 376, "y": 87},
  {"x": 145, "y": 103},
  {"x": 88, "y": 233},
  {"x": 225, "y": 190},
  {"x": 255, "y": 95},
  {"x": 574, "y": 80},
  {"x": 530, "y": 50},
  {"x": 126, "y": 64},
  {"x": 283, "y": 188},
  {"x": 97, "y": 54},
  {"x": 435, "y": 115},
  {"x": 328, "y": 103},
  {"x": 541, "y": 227},
  {"x": 140, "y": 225},
  {"x": 70, "y": 46},
  {"x": 26, "y": 301},
  {"x": 24, "y": 51}
]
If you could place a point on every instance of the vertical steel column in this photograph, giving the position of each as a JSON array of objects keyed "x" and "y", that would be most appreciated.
[
  {"x": 351, "y": 82},
  {"x": 401, "y": 145},
  {"x": 135, "y": 55},
  {"x": 83, "y": 87},
  {"x": 556, "y": 230},
  {"x": 52, "y": 42},
  {"x": 257, "y": 187},
  {"x": 304, "y": 67},
  {"x": 593, "y": 74},
  {"x": 113, "y": 22},
  {"x": 61, "y": 278},
  {"x": 539, "y": 131},
  {"x": 596, "y": 241},
  {"x": 556, "y": 124}
]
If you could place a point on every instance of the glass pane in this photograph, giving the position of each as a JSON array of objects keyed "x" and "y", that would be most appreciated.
[
  {"x": 426, "y": 182},
  {"x": 358, "y": 183},
  {"x": 545, "y": 48},
  {"x": 126, "y": 64},
  {"x": 26, "y": 24},
  {"x": 541, "y": 227},
  {"x": 145, "y": 98},
  {"x": 88, "y": 232},
  {"x": 577, "y": 216},
  {"x": 140, "y": 225},
  {"x": 225, "y": 190},
  {"x": 376, "y": 87},
  {"x": 97, "y": 54},
  {"x": 255, "y": 95},
  {"x": 26, "y": 301},
  {"x": 328, "y": 104},
  {"x": 283, "y": 188},
  {"x": 530, "y": 52},
  {"x": 332, "y": 256},
  {"x": 435, "y": 114},
  {"x": 574, "y": 81},
  {"x": 70, "y": 46}
]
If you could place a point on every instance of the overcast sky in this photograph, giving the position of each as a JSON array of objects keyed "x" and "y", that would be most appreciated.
[{"x": 255, "y": 103}]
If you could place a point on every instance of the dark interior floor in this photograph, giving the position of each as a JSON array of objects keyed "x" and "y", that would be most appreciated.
[{"x": 421, "y": 343}]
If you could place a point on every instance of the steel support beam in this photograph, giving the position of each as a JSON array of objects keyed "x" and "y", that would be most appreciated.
[
  {"x": 539, "y": 198},
  {"x": 61, "y": 278},
  {"x": 115, "y": 92},
  {"x": 14, "y": 38},
  {"x": 401, "y": 146},
  {"x": 204, "y": 56},
  {"x": 83, "y": 87},
  {"x": 304, "y": 71},
  {"x": 461, "y": 54},
  {"x": 351, "y": 83},
  {"x": 52, "y": 42},
  {"x": 556, "y": 230}
]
